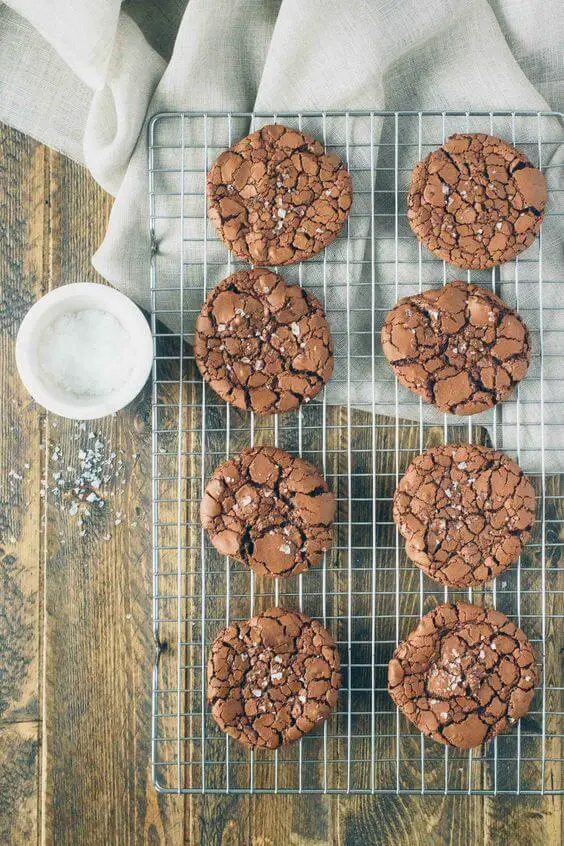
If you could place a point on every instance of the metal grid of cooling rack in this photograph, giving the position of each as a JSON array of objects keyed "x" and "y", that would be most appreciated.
[{"x": 362, "y": 434}]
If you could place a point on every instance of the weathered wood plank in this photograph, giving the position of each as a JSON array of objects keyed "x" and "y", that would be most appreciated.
[
  {"x": 376, "y": 820},
  {"x": 22, "y": 223},
  {"x": 99, "y": 648}
]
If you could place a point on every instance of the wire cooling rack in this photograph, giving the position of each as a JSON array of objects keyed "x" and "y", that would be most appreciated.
[{"x": 362, "y": 434}]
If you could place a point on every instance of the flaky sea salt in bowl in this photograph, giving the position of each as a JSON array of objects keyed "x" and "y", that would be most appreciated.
[{"x": 84, "y": 351}]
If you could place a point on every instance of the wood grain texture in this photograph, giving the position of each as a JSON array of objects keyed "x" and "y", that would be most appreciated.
[
  {"x": 22, "y": 229},
  {"x": 96, "y": 786},
  {"x": 74, "y": 748}
]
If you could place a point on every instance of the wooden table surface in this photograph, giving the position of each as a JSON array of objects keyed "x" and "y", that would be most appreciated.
[{"x": 75, "y": 634}]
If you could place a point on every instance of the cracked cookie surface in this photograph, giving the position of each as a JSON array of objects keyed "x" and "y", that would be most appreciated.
[
  {"x": 273, "y": 678},
  {"x": 276, "y": 197},
  {"x": 476, "y": 202},
  {"x": 261, "y": 344},
  {"x": 460, "y": 347},
  {"x": 465, "y": 511},
  {"x": 270, "y": 511},
  {"x": 464, "y": 675}
]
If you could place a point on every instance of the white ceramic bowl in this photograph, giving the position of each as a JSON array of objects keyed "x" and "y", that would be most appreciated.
[{"x": 76, "y": 297}]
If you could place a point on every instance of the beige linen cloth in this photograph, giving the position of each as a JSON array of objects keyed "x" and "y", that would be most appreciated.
[{"x": 84, "y": 76}]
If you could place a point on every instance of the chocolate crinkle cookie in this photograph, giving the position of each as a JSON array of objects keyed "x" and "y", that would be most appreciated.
[
  {"x": 476, "y": 202},
  {"x": 277, "y": 197},
  {"x": 261, "y": 344},
  {"x": 459, "y": 347},
  {"x": 465, "y": 511},
  {"x": 464, "y": 675},
  {"x": 272, "y": 679},
  {"x": 270, "y": 511}
]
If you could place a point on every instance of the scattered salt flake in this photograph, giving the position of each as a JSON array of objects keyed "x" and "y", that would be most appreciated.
[
  {"x": 106, "y": 537},
  {"x": 73, "y": 508},
  {"x": 275, "y": 676},
  {"x": 277, "y": 659},
  {"x": 301, "y": 698},
  {"x": 462, "y": 465},
  {"x": 286, "y": 548},
  {"x": 244, "y": 501},
  {"x": 257, "y": 693},
  {"x": 295, "y": 329}
]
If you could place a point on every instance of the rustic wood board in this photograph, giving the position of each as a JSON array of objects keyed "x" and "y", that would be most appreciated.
[
  {"x": 22, "y": 223},
  {"x": 76, "y": 648}
]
